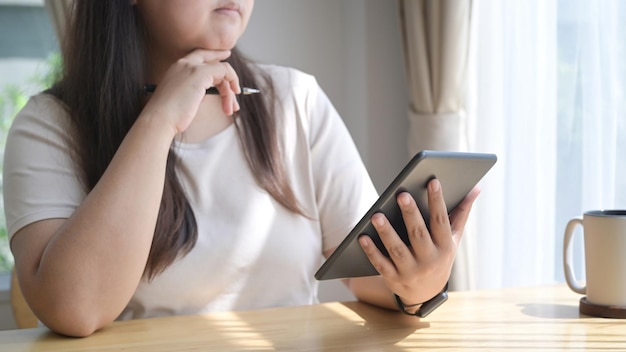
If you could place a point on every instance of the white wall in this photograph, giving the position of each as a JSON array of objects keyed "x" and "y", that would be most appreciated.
[{"x": 353, "y": 47}]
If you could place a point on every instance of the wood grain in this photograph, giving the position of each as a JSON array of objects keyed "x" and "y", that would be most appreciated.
[{"x": 544, "y": 318}]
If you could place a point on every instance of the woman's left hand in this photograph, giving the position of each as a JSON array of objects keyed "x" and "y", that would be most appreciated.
[{"x": 419, "y": 272}]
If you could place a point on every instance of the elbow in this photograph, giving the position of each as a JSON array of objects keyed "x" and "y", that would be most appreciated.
[
  {"x": 73, "y": 322},
  {"x": 72, "y": 326},
  {"x": 73, "y": 314},
  {"x": 72, "y": 330}
]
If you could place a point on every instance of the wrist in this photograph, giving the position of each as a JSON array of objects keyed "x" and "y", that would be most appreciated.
[
  {"x": 162, "y": 129},
  {"x": 422, "y": 309},
  {"x": 410, "y": 309}
]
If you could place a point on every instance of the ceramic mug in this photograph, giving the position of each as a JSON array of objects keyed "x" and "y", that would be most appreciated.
[{"x": 604, "y": 233}]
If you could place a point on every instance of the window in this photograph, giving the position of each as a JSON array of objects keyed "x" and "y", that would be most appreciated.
[
  {"x": 547, "y": 91},
  {"x": 591, "y": 144},
  {"x": 28, "y": 51}
]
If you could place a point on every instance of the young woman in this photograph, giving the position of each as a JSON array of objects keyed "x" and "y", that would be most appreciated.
[{"x": 123, "y": 203}]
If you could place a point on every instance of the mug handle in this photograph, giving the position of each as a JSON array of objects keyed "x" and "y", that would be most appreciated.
[{"x": 568, "y": 257}]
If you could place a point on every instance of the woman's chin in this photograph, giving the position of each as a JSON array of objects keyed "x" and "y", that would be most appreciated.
[{"x": 225, "y": 39}]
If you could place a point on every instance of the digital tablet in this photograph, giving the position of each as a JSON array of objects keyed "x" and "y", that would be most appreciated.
[{"x": 458, "y": 173}]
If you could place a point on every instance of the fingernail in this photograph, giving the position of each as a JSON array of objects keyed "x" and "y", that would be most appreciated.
[
  {"x": 404, "y": 199},
  {"x": 435, "y": 185},
  {"x": 364, "y": 242},
  {"x": 377, "y": 219}
]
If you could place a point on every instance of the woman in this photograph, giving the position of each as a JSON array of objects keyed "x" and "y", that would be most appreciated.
[{"x": 123, "y": 203}]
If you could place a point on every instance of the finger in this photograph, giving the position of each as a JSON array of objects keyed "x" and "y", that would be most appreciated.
[
  {"x": 419, "y": 237},
  {"x": 230, "y": 104},
  {"x": 235, "y": 86},
  {"x": 382, "y": 264},
  {"x": 227, "y": 81},
  {"x": 228, "y": 87},
  {"x": 200, "y": 56},
  {"x": 231, "y": 98},
  {"x": 236, "y": 106},
  {"x": 227, "y": 106},
  {"x": 399, "y": 252},
  {"x": 460, "y": 214},
  {"x": 439, "y": 221}
]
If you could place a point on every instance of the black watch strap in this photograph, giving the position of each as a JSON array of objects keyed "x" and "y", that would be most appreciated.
[{"x": 426, "y": 307}]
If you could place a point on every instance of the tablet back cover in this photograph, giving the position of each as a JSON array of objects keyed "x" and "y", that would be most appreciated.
[{"x": 458, "y": 173}]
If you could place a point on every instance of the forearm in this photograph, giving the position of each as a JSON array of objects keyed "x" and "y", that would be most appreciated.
[
  {"x": 372, "y": 289},
  {"x": 92, "y": 264}
]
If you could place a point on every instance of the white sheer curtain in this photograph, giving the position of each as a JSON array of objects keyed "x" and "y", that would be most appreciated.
[{"x": 546, "y": 92}]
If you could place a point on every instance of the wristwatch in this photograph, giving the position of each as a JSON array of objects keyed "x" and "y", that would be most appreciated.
[{"x": 426, "y": 307}]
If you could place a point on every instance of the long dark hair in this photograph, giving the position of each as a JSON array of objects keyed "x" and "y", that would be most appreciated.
[{"x": 102, "y": 86}]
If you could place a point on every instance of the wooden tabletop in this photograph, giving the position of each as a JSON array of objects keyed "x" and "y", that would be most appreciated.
[{"x": 545, "y": 318}]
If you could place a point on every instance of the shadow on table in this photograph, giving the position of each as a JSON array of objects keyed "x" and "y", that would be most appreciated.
[
  {"x": 376, "y": 327},
  {"x": 551, "y": 311}
]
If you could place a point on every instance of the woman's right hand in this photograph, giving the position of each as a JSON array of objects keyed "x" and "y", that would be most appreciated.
[{"x": 182, "y": 88}]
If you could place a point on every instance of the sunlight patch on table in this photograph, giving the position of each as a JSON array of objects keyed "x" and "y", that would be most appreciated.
[{"x": 240, "y": 333}]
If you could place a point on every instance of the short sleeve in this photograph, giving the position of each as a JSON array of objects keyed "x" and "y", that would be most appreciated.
[
  {"x": 344, "y": 190},
  {"x": 39, "y": 177}
]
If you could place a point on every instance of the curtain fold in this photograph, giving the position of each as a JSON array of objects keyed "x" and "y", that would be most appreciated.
[
  {"x": 59, "y": 10},
  {"x": 436, "y": 41}
]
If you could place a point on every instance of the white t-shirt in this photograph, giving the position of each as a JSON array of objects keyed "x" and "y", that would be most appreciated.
[{"x": 251, "y": 252}]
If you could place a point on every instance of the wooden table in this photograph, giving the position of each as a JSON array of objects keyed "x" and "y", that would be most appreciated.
[{"x": 543, "y": 318}]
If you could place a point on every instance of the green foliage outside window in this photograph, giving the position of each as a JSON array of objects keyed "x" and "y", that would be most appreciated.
[{"x": 12, "y": 100}]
